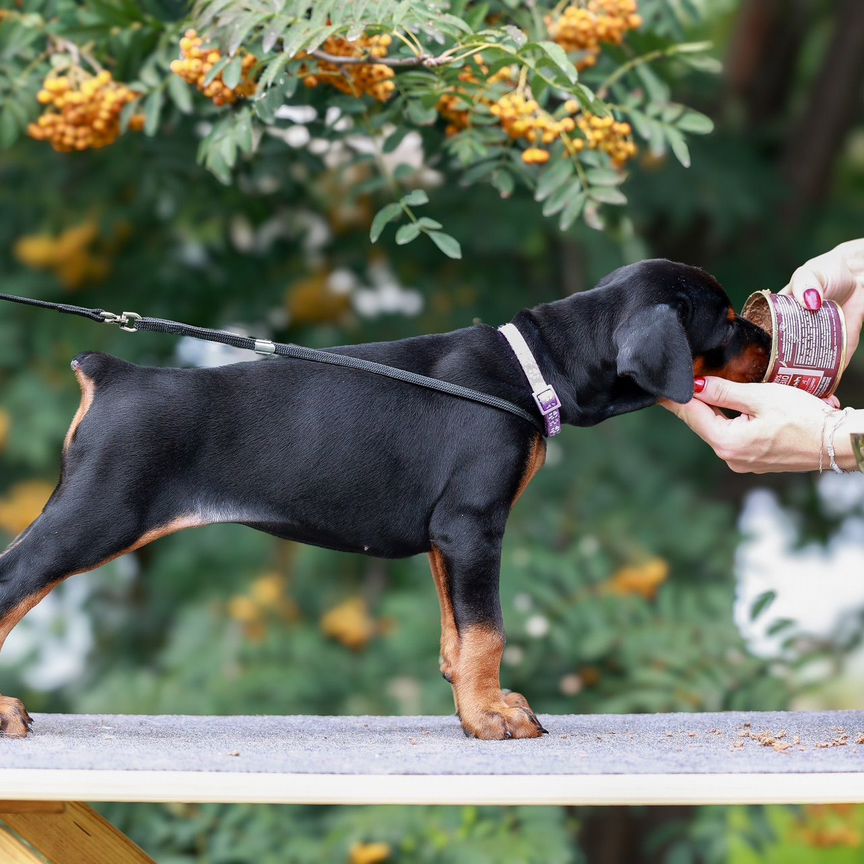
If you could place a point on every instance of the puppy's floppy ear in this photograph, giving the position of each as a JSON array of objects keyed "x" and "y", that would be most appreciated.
[{"x": 653, "y": 350}]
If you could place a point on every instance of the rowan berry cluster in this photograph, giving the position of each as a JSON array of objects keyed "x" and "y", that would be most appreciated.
[
  {"x": 267, "y": 599},
  {"x": 523, "y": 119},
  {"x": 76, "y": 256},
  {"x": 197, "y": 62},
  {"x": 609, "y": 136},
  {"x": 82, "y": 111},
  {"x": 586, "y": 26},
  {"x": 355, "y": 79},
  {"x": 455, "y": 106}
]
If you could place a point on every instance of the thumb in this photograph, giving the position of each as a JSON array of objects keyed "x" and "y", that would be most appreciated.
[
  {"x": 729, "y": 394},
  {"x": 806, "y": 287}
]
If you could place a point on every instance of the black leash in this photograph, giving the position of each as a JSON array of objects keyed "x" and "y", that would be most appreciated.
[{"x": 131, "y": 322}]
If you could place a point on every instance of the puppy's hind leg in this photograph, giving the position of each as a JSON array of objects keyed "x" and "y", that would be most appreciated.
[{"x": 101, "y": 509}]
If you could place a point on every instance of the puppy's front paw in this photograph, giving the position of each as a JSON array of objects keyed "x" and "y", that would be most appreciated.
[
  {"x": 506, "y": 715},
  {"x": 14, "y": 719}
]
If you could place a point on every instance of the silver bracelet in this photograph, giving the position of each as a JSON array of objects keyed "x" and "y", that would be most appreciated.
[{"x": 832, "y": 453}]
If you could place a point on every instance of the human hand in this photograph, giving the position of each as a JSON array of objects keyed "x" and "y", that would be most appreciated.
[
  {"x": 780, "y": 428},
  {"x": 837, "y": 275}
]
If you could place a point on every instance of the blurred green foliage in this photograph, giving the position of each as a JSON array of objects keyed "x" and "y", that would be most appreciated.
[{"x": 618, "y": 575}]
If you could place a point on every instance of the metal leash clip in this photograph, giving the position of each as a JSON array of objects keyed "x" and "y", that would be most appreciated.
[{"x": 123, "y": 320}]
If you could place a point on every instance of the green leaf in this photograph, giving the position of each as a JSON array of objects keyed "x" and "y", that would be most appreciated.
[
  {"x": 8, "y": 129},
  {"x": 415, "y": 198},
  {"x": 274, "y": 70},
  {"x": 607, "y": 195},
  {"x": 762, "y": 602},
  {"x": 571, "y": 211},
  {"x": 695, "y": 123},
  {"x": 552, "y": 179},
  {"x": 419, "y": 114},
  {"x": 558, "y": 56},
  {"x": 709, "y": 65},
  {"x": 152, "y": 110},
  {"x": 605, "y": 177},
  {"x": 779, "y": 625},
  {"x": 233, "y": 72},
  {"x": 427, "y": 224},
  {"x": 559, "y": 198},
  {"x": 382, "y": 219},
  {"x": 503, "y": 181},
  {"x": 693, "y": 47},
  {"x": 227, "y": 147},
  {"x": 447, "y": 244},
  {"x": 678, "y": 145},
  {"x": 180, "y": 94},
  {"x": 213, "y": 74},
  {"x": 243, "y": 133},
  {"x": 407, "y": 233},
  {"x": 656, "y": 88}
]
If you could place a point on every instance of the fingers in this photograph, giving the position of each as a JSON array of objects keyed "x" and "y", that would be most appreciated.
[
  {"x": 732, "y": 395},
  {"x": 806, "y": 287},
  {"x": 707, "y": 422}
]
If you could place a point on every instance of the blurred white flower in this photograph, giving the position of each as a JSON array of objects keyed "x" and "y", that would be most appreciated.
[
  {"x": 589, "y": 546},
  {"x": 56, "y": 637},
  {"x": 537, "y": 626},
  {"x": 297, "y": 113},
  {"x": 385, "y": 295},
  {"x": 407, "y": 692},
  {"x": 296, "y": 136},
  {"x": 205, "y": 355},
  {"x": 817, "y": 586},
  {"x": 242, "y": 233},
  {"x": 342, "y": 281},
  {"x": 554, "y": 453},
  {"x": 514, "y": 655},
  {"x": 571, "y": 685}
]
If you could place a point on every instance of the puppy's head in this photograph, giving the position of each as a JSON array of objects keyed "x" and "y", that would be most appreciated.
[{"x": 675, "y": 322}]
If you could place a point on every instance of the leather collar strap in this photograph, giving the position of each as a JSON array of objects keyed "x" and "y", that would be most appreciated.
[{"x": 544, "y": 394}]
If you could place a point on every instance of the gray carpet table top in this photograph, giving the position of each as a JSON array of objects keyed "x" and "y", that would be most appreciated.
[{"x": 718, "y": 743}]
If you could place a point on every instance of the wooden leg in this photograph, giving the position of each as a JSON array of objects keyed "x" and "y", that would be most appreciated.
[
  {"x": 76, "y": 834},
  {"x": 13, "y": 851}
]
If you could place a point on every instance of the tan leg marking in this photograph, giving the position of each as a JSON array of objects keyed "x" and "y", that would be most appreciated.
[
  {"x": 14, "y": 719},
  {"x": 88, "y": 390},
  {"x": 536, "y": 460},
  {"x": 449, "y": 632},
  {"x": 485, "y": 709}
]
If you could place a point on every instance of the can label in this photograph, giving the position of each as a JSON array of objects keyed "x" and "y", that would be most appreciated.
[{"x": 808, "y": 348}]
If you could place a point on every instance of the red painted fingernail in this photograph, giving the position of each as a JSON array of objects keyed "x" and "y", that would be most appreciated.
[
  {"x": 699, "y": 384},
  {"x": 812, "y": 299}
]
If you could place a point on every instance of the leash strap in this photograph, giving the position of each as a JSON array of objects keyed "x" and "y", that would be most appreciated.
[
  {"x": 131, "y": 322},
  {"x": 544, "y": 394}
]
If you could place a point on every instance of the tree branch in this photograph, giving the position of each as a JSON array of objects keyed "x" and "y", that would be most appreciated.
[{"x": 423, "y": 61}]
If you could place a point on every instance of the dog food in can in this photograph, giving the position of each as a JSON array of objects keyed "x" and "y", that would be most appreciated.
[{"x": 808, "y": 349}]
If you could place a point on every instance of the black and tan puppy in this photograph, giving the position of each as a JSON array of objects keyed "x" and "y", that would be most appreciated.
[{"x": 356, "y": 462}]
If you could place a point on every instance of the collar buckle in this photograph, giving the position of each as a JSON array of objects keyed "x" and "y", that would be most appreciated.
[{"x": 547, "y": 400}]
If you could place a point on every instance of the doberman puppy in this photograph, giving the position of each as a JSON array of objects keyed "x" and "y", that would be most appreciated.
[{"x": 352, "y": 461}]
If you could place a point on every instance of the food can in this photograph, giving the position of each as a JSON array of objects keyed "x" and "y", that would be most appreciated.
[{"x": 808, "y": 349}]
